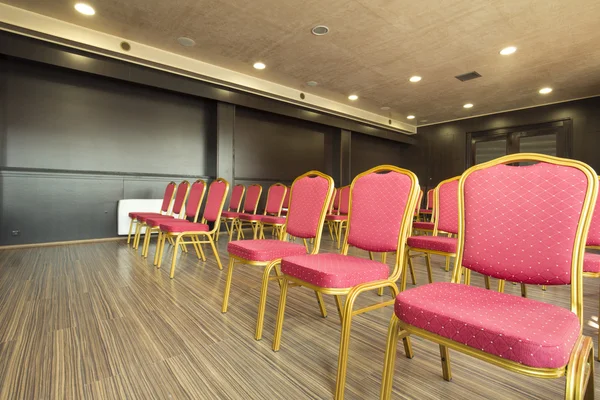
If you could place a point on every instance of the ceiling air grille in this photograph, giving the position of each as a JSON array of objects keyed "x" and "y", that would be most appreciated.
[{"x": 468, "y": 76}]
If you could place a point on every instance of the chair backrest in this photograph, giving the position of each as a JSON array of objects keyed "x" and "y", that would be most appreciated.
[
  {"x": 236, "y": 197},
  {"x": 194, "y": 201},
  {"x": 430, "y": 199},
  {"x": 309, "y": 198},
  {"x": 344, "y": 205},
  {"x": 215, "y": 201},
  {"x": 182, "y": 193},
  {"x": 336, "y": 200},
  {"x": 382, "y": 201},
  {"x": 419, "y": 201},
  {"x": 526, "y": 224},
  {"x": 593, "y": 238},
  {"x": 252, "y": 197},
  {"x": 168, "y": 197},
  {"x": 275, "y": 197},
  {"x": 446, "y": 206}
]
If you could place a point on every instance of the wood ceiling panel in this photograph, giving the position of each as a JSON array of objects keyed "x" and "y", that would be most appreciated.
[{"x": 375, "y": 45}]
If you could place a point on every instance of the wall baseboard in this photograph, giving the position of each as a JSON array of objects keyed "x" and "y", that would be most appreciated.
[{"x": 63, "y": 243}]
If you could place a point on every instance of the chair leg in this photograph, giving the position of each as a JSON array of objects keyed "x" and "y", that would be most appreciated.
[
  {"x": 428, "y": 262},
  {"x": 130, "y": 229},
  {"x": 231, "y": 230},
  {"x": 321, "y": 304},
  {"x": 487, "y": 282},
  {"x": 262, "y": 302},
  {"x": 227, "y": 285},
  {"x": 412, "y": 271},
  {"x": 330, "y": 231},
  {"x": 544, "y": 288},
  {"x": 390, "y": 358},
  {"x": 161, "y": 246},
  {"x": 344, "y": 342},
  {"x": 280, "y": 315},
  {"x": 136, "y": 238},
  {"x": 339, "y": 245},
  {"x": 146, "y": 245},
  {"x": 447, "y": 264},
  {"x": 523, "y": 290},
  {"x": 339, "y": 306},
  {"x": 199, "y": 247},
  {"x": 467, "y": 276},
  {"x": 214, "y": 249},
  {"x": 580, "y": 371},
  {"x": 174, "y": 259},
  {"x": 157, "y": 250},
  {"x": 445, "y": 356}
]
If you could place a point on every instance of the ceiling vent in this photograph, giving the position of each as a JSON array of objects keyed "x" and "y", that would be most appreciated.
[{"x": 468, "y": 76}]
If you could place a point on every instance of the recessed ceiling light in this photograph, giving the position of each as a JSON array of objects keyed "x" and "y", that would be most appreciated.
[
  {"x": 545, "y": 90},
  {"x": 508, "y": 50},
  {"x": 259, "y": 65},
  {"x": 415, "y": 78},
  {"x": 320, "y": 30},
  {"x": 385, "y": 108},
  {"x": 312, "y": 83},
  {"x": 85, "y": 9},
  {"x": 186, "y": 41},
  {"x": 411, "y": 117},
  {"x": 353, "y": 97},
  {"x": 468, "y": 105}
]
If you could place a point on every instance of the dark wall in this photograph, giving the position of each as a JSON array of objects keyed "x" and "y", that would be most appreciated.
[
  {"x": 446, "y": 143},
  {"x": 73, "y": 144}
]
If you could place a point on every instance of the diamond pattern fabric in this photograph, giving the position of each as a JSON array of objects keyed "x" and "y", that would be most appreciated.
[
  {"x": 526, "y": 331},
  {"x": 591, "y": 263},
  {"x": 448, "y": 208},
  {"x": 434, "y": 243},
  {"x": 273, "y": 220},
  {"x": 264, "y": 250},
  {"x": 520, "y": 222},
  {"x": 306, "y": 204}
]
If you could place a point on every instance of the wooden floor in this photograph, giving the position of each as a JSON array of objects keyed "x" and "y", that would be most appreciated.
[{"x": 97, "y": 321}]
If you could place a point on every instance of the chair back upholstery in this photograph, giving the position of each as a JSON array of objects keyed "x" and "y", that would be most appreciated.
[
  {"x": 430, "y": 199},
  {"x": 344, "y": 205},
  {"x": 336, "y": 200},
  {"x": 217, "y": 193},
  {"x": 526, "y": 224},
  {"x": 182, "y": 193},
  {"x": 236, "y": 197},
  {"x": 275, "y": 197},
  {"x": 252, "y": 197},
  {"x": 447, "y": 206},
  {"x": 286, "y": 199},
  {"x": 309, "y": 198},
  {"x": 419, "y": 201},
  {"x": 168, "y": 197},
  {"x": 382, "y": 201},
  {"x": 593, "y": 239},
  {"x": 194, "y": 201}
]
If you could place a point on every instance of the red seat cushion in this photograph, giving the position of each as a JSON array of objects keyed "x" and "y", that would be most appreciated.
[
  {"x": 156, "y": 221},
  {"x": 183, "y": 226},
  {"x": 332, "y": 270},
  {"x": 435, "y": 243},
  {"x": 425, "y": 211},
  {"x": 250, "y": 217},
  {"x": 264, "y": 250},
  {"x": 591, "y": 262},
  {"x": 135, "y": 215},
  {"x": 273, "y": 220},
  {"x": 529, "y": 332},
  {"x": 229, "y": 214},
  {"x": 332, "y": 217},
  {"x": 423, "y": 225}
]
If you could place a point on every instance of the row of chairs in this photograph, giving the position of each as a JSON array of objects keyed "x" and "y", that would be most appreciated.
[{"x": 516, "y": 333}]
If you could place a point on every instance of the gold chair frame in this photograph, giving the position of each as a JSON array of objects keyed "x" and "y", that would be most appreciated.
[
  {"x": 168, "y": 212},
  {"x": 580, "y": 369},
  {"x": 225, "y": 220},
  {"x": 337, "y": 226},
  {"x": 236, "y": 221},
  {"x": 271, "y": 265},
  {"x": 179, "y": 237},
  {"x": 346, "y": 310}
]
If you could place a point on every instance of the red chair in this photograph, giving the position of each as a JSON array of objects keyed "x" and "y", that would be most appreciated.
[
  {"x": 429, "y": 205},
  {"x": 250, "y": 205},
  {"x": 275, "y": 197},
  {"x": 339, "y": 219},
  {"x": 234, "y": 208},
  {"x": 276, "y": 223},
  {"x": 310, "y": 196},
  {"x": 591, "y": 261},
  {"x": 382, "y": 204},
  {"x": 426, "y": 226},
  {"x": 164, "y": 208},
  {"x": 180, "y": 197},
  {"x": 178, "y": 231},
  {"x": 447, "y": 221},
  {"x": 286, "y": 202},
  {"x": 192, "y": 209},
  {"x": 511, "y": 218}
]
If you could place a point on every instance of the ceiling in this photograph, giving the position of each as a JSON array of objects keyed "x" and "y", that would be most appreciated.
[{"x": 374, "y": 46}]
